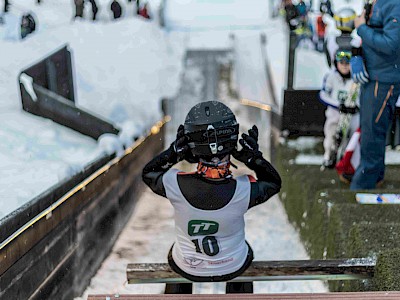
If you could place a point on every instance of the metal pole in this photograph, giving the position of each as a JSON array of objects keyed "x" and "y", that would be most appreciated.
[{"x": 291, "y": 62}]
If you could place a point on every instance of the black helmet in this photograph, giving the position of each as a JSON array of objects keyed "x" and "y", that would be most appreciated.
[{"x": 212, "y": 129}]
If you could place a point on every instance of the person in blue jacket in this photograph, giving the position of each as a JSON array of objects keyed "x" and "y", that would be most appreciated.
[{"x": 377, "y": 68}]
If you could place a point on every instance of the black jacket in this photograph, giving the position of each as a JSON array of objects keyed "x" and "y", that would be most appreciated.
[{"x": 210, "y": 194}]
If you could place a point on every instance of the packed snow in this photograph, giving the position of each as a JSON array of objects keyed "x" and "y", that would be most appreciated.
[{"x": 121, "y": 70}]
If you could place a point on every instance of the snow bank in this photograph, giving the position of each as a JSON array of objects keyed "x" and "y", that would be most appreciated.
[{"x": 121, "y": 69}]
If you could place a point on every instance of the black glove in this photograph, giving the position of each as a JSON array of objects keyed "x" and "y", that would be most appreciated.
[
  {"x": 181, "y": 146},
  {"x": 348, "y": 110},
  {"x": 249, "y": 145}
]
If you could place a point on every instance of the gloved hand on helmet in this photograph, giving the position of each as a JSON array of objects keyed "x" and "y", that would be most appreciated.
[
  {"x": 181, "y": 146},
  {"x": 250, "y": 148}
]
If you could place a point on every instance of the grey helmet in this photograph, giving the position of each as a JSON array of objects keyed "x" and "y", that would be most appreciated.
[
  {"x": 212, "y": 129},
  {"x": 344, "y": 19}
]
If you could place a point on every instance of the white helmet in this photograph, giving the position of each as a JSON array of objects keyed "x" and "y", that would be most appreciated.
[{"x": 344, "y": 19}]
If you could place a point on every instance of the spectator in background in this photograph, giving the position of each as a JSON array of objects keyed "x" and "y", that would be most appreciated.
[
  {"x": 116, "y": 9},
  {"x": 325, "y": 6},
  {"x": 379, "y": 30},
  {"x": 302, "y": 9},
  {"x": 95, "y": 9},
  {"x": 6, "y": 6},
  {"x": 28, "y": 25},
  {"x": 137, "y": 7},
  {"x": 79, "y": 8},
  {"x": 344, "y": 21},
  {"x": 320, "y": 32},
  {"x": 336, "y": 87},
  {"x": 290, "y": 14},
  {"x": 351, "y": 158},
  {"x": 144, "y": 11}
]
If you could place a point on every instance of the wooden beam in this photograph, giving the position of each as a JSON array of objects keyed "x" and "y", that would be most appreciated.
[
  {"x": 342, "y": 269},
  {"x": 313, "y": 296}
]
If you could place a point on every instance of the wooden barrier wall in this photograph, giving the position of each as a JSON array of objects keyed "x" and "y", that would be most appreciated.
[{"x": 54, "y": 253}]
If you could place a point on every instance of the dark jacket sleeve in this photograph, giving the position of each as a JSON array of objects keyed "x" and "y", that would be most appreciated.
[
  {"x": 155, "y": 169},
  {"x": 268, "y": 181}
]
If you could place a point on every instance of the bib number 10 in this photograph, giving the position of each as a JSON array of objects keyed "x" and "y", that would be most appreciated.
[{"x": 209, "y": 245}]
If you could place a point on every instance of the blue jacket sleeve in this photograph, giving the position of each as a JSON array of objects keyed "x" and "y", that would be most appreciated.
[{"x": 387, "y": 41}]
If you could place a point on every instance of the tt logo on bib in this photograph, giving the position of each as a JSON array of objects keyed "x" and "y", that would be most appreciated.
[{"x": 202, "y": 227}]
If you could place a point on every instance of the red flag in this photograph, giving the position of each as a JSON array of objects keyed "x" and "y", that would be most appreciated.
[{"x": 351, "y": 158}]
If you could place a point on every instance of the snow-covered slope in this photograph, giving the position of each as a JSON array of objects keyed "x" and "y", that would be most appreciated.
[{"x": 122, "y": 69}]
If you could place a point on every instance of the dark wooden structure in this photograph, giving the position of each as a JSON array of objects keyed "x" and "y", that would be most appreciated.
[
  {"x": 302, "y": 114},
  {"x": 343, "y": 269},
  {"x": 52, "y": 246},
  {"x": 59, "y": 109},
  {"x": 315, "y": 296},
  {"x": 53, "y": 85},
  {"x": 54, "y": 73}
]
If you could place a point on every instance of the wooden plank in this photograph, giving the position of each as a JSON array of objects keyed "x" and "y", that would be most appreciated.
[
  {"x": 314, "y": 296},
  {"x": 342, "y": 269},
  {"x": 63, "y": 111}
]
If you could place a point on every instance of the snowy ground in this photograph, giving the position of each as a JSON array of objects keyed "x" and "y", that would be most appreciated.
[{"x": 122, "y": 69}]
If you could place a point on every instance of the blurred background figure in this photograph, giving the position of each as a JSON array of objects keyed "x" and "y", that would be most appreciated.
[
  {"x": 95, "y": 9},
  {"x": 79, "y": 7},
  {"x": 137, "y": 7},
  {"x": 336, "y": 88},
  {"x": 291, "y": 13},
  {"x": 302, "y": 9},
  {"x": 6, "y": 6},
  {"x": 28, "y": 25},
  {"x": 319, "y": 34},
  {"x": 144, "y": 11},
  {"x": 116, "y": 9},
  {"x": 325, "y": 7},
  {"x": 344, "y": 21}
]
